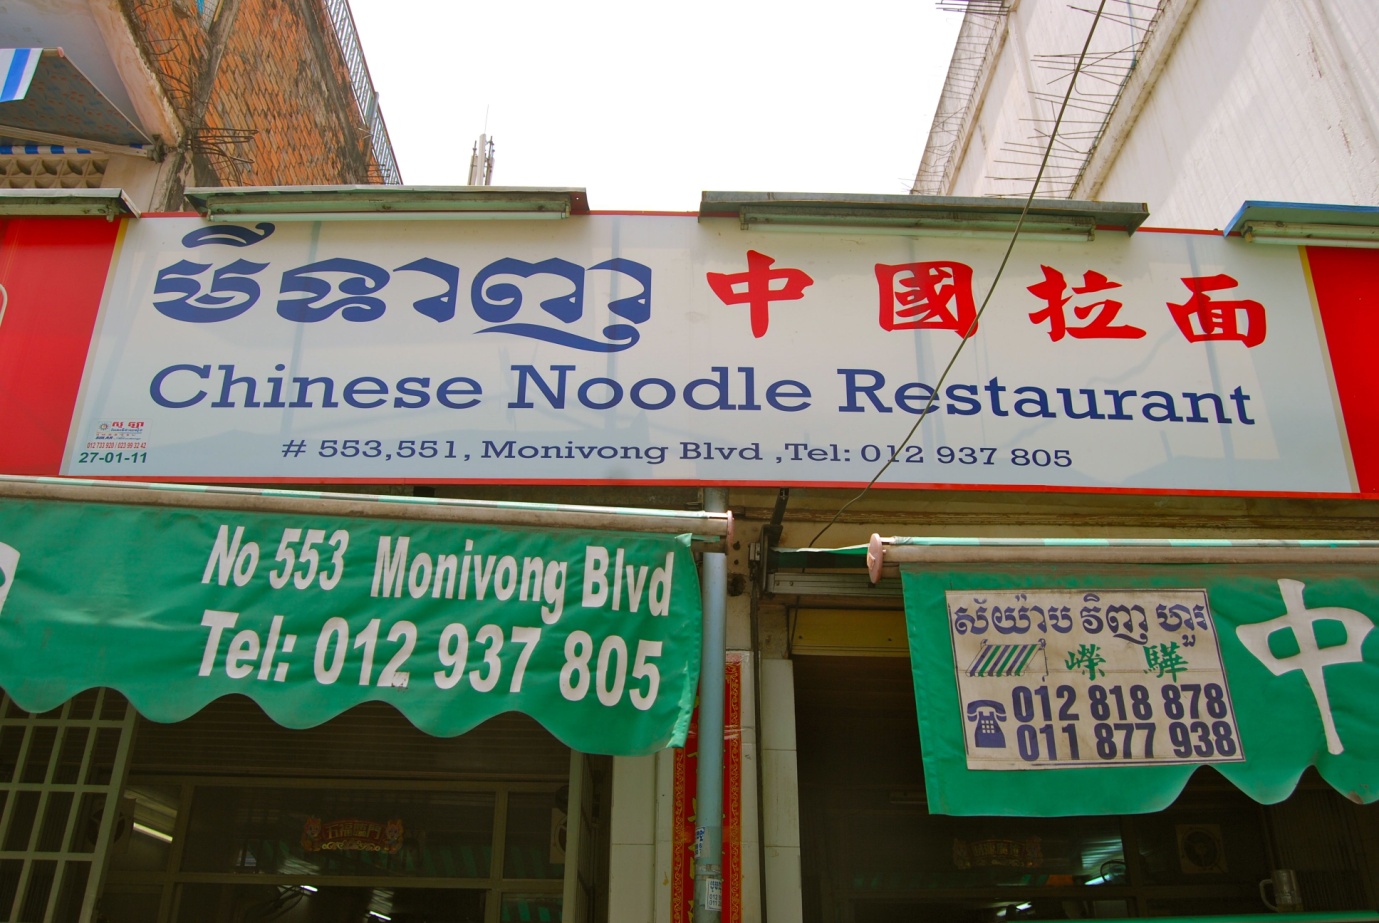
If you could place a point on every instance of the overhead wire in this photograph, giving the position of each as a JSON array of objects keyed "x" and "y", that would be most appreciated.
[{"x": 991, "y": 289}]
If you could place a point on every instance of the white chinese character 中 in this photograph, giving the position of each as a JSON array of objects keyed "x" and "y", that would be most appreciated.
[{"x": 1311, "y": 658}]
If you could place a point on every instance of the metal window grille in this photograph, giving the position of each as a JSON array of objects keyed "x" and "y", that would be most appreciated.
[
  {"x": 60, "y": 778},
  {"x": 364, "y": 93}
]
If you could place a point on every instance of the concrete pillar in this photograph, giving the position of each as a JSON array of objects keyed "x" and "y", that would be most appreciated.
[
  {"x": 780, "y": 793},
  {"x": 632, "y": 842}
]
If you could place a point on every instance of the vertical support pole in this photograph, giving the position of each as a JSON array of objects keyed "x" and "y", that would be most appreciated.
[
  {"x": 708, "y": 853},
  {"x": 570, "y": 904}
]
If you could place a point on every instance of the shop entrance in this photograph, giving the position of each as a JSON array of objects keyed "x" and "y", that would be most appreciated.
[
  {"x": 872, "y": 852},
  {"x": 229, "y": 818}
]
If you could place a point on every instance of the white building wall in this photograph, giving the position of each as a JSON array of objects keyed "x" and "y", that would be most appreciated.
[
  {"x": 1271, "y": 101},
  {"x": 1247, "y": 99},
  {"x": 1040, "y": 42}
]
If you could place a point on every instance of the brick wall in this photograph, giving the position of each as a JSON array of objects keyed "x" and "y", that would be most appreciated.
[{"x": 281, "y": 110}]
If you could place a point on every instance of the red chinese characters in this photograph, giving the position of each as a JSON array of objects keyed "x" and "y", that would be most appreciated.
[
  {"x": 927, "y": 296},
  {"x": 755, "y": 288},
  {"x": 1099, "y": 315},
  {"x": 938, "y": 295},
  {"x": 1201, "y": 318}
]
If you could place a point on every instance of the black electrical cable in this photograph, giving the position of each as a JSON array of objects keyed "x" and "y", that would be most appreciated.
[{"x": 1015, "y": 235}]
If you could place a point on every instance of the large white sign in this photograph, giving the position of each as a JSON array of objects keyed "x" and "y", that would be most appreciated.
[{"x": 653, "y": 348}]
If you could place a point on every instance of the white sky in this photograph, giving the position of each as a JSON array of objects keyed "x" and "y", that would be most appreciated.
[{"x": 646, "y": 105}]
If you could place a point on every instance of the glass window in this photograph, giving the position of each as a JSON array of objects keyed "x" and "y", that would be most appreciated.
[
  {"x": 531, "y": 908},
  {"x": 340, "y": 831},
  {"x": 535, "y": 835}
]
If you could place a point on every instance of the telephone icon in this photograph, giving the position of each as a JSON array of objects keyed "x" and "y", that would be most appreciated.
[{"x": 985, "y": 713}]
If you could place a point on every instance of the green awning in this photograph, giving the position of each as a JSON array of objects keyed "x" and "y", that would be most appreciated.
[
  {"x": 174, "y": 602},
  {"x": 1061, "y": 688}
]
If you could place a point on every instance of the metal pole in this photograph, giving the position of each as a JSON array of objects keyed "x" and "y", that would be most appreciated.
[
  {"x": 915, "y": 550},
  {"x": 488, "y": 512},
  {"x": 708, "y": 854}
]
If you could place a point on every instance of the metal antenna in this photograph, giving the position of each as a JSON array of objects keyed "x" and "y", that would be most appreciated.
[{"x": 481, "y": 161}]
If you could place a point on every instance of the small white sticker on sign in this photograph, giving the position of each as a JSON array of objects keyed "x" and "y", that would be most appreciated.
[{"x": 118, "y": 434}]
